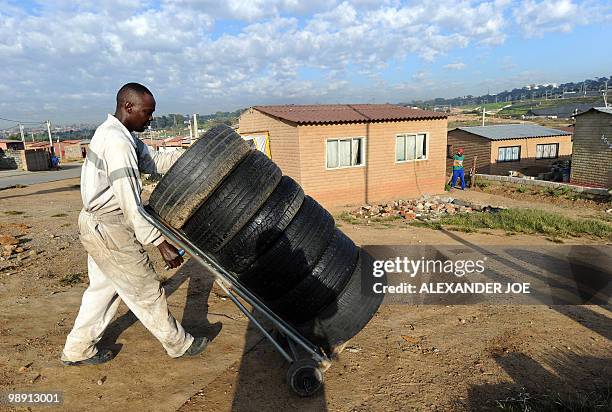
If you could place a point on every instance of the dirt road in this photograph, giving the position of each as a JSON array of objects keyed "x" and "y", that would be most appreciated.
[{"x": 465, "y": 357}]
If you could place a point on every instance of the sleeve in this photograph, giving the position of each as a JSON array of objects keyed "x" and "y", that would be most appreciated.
[
  {"x": 124, "y": 178},
  {"x": 155, "y": 162}
]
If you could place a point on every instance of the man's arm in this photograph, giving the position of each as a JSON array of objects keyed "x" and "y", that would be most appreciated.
[
  {"x": 124, "y": 178},
  {"x": 155, "y": 162}
]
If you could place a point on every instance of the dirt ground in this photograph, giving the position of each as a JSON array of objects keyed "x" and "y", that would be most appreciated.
[{"x": 443, "y": 358}]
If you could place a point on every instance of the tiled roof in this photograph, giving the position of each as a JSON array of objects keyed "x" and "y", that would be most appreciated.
[
  {"x": 346, "y": 113},
  {"x": 513, "y": 131}
]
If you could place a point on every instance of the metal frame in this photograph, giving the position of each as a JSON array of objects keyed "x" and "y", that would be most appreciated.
[{"x": 232, "y": 287}]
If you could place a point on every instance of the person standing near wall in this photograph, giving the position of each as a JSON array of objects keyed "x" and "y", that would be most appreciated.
[{"x": 458, "y": 171}]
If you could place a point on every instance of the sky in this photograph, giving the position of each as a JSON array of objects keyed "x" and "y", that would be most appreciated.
[{"x": 65, "y": 60}]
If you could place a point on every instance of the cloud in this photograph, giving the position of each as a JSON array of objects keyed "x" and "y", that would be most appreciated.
[
  {"x": 538, "y": 17},
  {"x": 455, "y": 66},
  {"x": 200, "y": 55}
]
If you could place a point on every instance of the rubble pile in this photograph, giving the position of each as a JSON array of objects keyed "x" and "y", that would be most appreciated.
[{"x": 423, "y": 208}]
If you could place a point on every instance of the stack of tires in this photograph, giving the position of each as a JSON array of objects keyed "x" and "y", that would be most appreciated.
[{"x": 234, "y": 203}]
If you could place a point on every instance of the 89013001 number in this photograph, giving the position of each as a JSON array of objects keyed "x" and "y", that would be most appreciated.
[{"x": 32, "y": 398}]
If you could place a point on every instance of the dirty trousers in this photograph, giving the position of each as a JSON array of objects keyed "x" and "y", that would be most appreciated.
[{"x": 119, "y": 269}]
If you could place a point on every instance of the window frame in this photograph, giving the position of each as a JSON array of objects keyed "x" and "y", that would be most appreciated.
[
  {"x": 338, "y": 139},
  {"x": 547, "y": 144},
  {"x": 509, "y": 161},
  {"x": 426, "y": 134}
]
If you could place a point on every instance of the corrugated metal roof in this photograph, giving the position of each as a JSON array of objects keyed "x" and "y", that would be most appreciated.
[
  {"x": 346, "y": 113},
  {"x": 513, "y": 131},
  {"x": 607, "y": 110}
]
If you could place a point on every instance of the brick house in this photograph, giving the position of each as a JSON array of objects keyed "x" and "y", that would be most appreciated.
[
  {"x": 527, "y": 148},
  {"x": 592, "y": 158},
  {"x": 351, "y": 154},
  {"x": 6, "y": 144}
]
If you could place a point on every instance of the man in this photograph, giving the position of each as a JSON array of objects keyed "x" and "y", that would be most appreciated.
[
  {"x": 113, "y": 232},
  {"x": 458, "y": 171}
]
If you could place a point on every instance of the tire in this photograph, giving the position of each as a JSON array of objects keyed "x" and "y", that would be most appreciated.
[
  {"x": 233, "y": 203},
  {"x": 259, "y": 233},
  {"x": 194, "y": 176},
  {"x": 294, "y": 254},
  {"x": 349, "y": 314},
  {"x": 321, "y": 287}
]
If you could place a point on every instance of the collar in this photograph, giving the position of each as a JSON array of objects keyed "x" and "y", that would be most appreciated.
[{"x": 116, "y": 122}]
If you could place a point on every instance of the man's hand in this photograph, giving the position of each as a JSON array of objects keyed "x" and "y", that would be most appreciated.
[{"x": 170, "y": 254}]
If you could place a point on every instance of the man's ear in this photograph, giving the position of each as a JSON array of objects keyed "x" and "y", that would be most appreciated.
[{"x": 128, "y": 107}]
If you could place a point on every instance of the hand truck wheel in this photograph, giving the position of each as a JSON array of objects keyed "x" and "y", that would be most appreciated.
[{"x": 305, "y": 377}]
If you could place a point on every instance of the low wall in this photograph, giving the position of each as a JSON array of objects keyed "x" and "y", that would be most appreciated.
[
  {"x": 544, "y": 183},
  {"x": 12, "y": 159}
]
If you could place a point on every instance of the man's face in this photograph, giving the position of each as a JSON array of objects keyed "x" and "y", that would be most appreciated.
[{"x": 141, "y": 112}]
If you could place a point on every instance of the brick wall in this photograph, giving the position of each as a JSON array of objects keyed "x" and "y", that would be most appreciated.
[
  {"x": 592, "y": 159},
  {"x": 283, "y": 138},
  {"x": 473, "y": 146},
  {"x": 72, "y": 152},
  {"x": 381, "y": 178},
  {"x": 11, "y": 160}
]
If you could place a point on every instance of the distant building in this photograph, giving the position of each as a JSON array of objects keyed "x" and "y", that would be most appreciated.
[
  {"x": 528, "y": 148},
  {"x": 352, "y": 154},
  {"x": 592, "y": 158},
  {"x": 6, "y": 144},
  {"x": 559, "y": 112}
]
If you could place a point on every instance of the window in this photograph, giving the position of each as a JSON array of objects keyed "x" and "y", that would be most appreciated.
[
  {"x": 449, "y": 151},
  {"x": 345, "y": 152},
  {"x": 509, "y": 154},
  {"x": 547, "y": 151},
  {"x": 410, "y": 147}
]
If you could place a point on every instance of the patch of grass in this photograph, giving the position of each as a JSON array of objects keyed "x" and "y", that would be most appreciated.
[
  {"x": 526, "y": 221},
  {"x": 59, "y": 215},
  {"x": 391, "y": 218},
  {"x": 70, "y": 280},
  {"x": 599, "y": 400},
  {"x": 14, "y": 212},
  {"x": 481, "y": 184},
  {"x": 522, "y": 189},
  {"x": 348, "y": 218},
  {"x": 427, "y": 224}
]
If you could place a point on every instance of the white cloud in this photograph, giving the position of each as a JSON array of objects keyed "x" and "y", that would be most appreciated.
[
  {"x": 455, "y": 66},
  {"x": 201, "y": 55},
  {"x": 538, "y": 17}
]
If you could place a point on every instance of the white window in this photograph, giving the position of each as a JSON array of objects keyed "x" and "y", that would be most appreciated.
[
  {"x": 345, "y": 152},
  {"x": 509, "y": 154},
  {"x": 410, "y": 147},
  {"x": 547, "y": 151}
]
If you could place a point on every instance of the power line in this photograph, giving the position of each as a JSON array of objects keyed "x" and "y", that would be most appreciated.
[{"x": 19, "y": 121}]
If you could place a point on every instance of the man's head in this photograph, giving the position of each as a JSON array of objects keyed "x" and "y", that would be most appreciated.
[
  {"x": 135, "y": 106},
  {"x": 460, "y": 151}
]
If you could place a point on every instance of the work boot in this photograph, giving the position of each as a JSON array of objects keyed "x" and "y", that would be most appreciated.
[
  {"x": 102, "y": 356},
  {"x": 197, "y": 346}
]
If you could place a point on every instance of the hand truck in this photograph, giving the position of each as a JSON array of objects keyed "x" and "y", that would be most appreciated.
[{"x": 307, "y": 362}]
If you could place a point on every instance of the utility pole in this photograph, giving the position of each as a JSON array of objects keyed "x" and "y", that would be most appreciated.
[
  {"x": 483, "y": 114},
  {"x": 605, "y": 94},
  {"x": 32, "y": 135},
  {"x": 22, "y": 137},
  {"x": 190, "y": 133},
  {"x": 49, "y": 134},
  {"x": 195, "y": 126}
]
